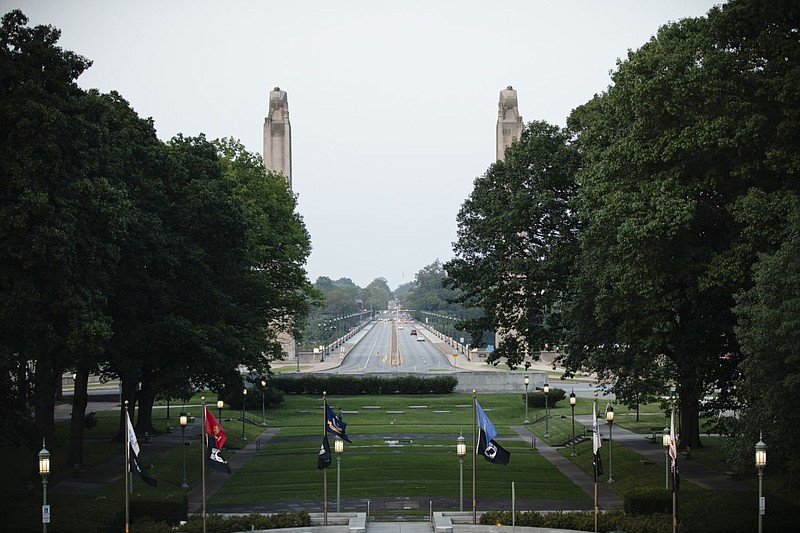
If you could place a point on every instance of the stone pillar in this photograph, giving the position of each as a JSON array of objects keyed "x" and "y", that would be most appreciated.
[
  {"x": 509, "y": 121},
  {"x": 278, "y": 158},
  {"x": 278, "y": 135}
]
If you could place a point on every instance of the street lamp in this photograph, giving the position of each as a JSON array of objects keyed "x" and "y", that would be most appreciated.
[
  {"x": 244, "y": 403},
  {"x": 572, "y": 401},
  {"x": 761, "y": 462},
  {"x": 44, "y": 471},
  {"x": 610, "y": 418},
  {"x": 338, "y": 447},
  {"x": 183, "y": 420},
  {"x": 322, "y": 351},
  {"x": 546, "y": 411},
  {"x": 526, "y": 380},
  {"x": 666, "y": 441},
  {"x": 263, "y": 396},
  {"x": 461, "y": 451},
  {"x": 220, "y": 405}
]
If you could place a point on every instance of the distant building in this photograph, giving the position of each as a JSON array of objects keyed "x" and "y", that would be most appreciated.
[
  {"x": 509, "y": 121},
  {"x": 278, "y": 135},
  {"x": 278, "y": 158}
]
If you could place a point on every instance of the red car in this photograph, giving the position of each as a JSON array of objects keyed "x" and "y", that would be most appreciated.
[{"x": 413, "y": 332}]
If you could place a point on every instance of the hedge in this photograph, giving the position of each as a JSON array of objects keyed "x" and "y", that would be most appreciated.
[{"x": 355, "y": 385}]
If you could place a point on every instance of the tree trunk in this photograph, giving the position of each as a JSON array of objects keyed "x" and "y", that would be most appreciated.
[
  {"x": 128, "y": 394},
  {"x": 147, "y": 396},
  {"x": 80, "y": 399},
  {"x": 45, "y": 394},
  {"x": 689, "y": 422}
]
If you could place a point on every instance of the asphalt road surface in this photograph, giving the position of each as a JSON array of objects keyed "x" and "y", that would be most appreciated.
[{"x": 390, "y": 347}]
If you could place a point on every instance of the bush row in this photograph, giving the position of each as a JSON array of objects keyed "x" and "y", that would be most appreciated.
[
  {"x": 536, "y": 398},
  {"x": 584, "y": 521},
  {"x": 355, "y": 385},
  {"x": 218, "y": 524}
]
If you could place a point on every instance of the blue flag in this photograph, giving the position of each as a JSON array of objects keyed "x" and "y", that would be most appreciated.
[
  {"x": 334, "y": 424},
  {"x": 487, "y": 446}
]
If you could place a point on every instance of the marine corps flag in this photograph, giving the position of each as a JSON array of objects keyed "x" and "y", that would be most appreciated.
[
  {"x": 487, "y": 446},
  {"x": 213, "y": 458},
  {"x": 324, "y": 459}
]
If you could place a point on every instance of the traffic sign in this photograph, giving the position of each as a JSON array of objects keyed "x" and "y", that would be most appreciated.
[{"x": 45, "y": 514}]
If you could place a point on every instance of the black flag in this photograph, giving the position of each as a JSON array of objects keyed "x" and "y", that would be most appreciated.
[
  {"x": 492, "y": 452},
  {"x": 216, "y": 461},
  {"x": 324, "y": 459}
]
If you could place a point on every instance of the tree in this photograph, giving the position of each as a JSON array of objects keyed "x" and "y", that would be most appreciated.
[
  {"x": 516, "y": 242},
  {"x": 376, "y": 295},
  {"x": 694, "y": 119},
  {"x": 61, "y": 219}
]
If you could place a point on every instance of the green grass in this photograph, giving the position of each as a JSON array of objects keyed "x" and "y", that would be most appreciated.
[{"x": 285, "y": 467}]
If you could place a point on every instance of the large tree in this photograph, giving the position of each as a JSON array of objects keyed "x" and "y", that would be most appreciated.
[
  {"x": 694, "y": 119},
  {"x": 61, "y": 217},
  {"x": 516, "y": 243}
]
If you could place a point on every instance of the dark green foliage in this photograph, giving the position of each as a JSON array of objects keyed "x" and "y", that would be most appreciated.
[
  {"x": 583, "y": 521},
  {"x": 537, "y": 398},
  {"x": 648, "y": 502},
  {"x": 217, "y": 524},
  {"x": 356, "y": 385}
]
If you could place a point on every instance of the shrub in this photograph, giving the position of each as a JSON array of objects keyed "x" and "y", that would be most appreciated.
[
  {"x": 217, "y": 524},
  {"x": 648, "y": 501},
  {"x": 355, "y": 385},
  {"x": 536, "y": 398}
]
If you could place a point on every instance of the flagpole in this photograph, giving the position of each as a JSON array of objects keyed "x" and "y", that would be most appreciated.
[
  {"x": 474, "y": 458},
  {"x": 594, "y": 466},
  {"x": 203, "y": 460},
  {"x": 324, "y": 470},
  {"x": 127, "y": 469},
  {"x": 673, "y": 437}
]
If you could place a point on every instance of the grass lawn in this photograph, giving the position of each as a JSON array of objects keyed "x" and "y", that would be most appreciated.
[{"x": 285, "y": 467}]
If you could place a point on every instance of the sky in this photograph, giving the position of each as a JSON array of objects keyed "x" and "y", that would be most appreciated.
[{"x": 393, "y": 105}]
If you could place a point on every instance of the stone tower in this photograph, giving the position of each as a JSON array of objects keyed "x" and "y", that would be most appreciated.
[
  {"x": 278, "y": 135},
  {"x": 509, "y": 121},
  {"x": 278, "y": 158}
]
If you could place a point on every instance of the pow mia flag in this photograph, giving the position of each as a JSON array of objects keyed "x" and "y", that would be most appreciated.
[
  {"x": 324, "y": 459},
  {"x": 487, "y": 446}
]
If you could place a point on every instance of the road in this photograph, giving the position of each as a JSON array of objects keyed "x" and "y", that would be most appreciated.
[{"x": 390, "y": 347}]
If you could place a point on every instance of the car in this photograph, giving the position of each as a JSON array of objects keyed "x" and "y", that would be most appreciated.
[
  {"x": 399, "y": 327},
  {"x": 413, "y": 332},
  {"x": 420, "y": 338}
]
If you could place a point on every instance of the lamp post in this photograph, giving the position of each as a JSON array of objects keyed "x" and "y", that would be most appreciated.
[
  {"x": 665, "y": 443},
  {"x": 44, "y": 471},
  {"x": 338, "y": 447},
  {"x": 244, "y": 403},
  {"x": 761, "y": 462},
  {"x": 610, "y": 418},
  {"x": 183, "y": 420},
  {"x": 220, "y": 405},
  {"x": 572, "y": 401},
  {"x": 263, "y": 396},
  {"x": 546, "y": 411},
  {"x": 526, "y": 380},
  {"x": 461, "y": 451},
  {"x": 322, "y": 351}
]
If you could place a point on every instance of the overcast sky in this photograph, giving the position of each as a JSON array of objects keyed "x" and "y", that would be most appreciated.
[{"x": 393, "y": 105}]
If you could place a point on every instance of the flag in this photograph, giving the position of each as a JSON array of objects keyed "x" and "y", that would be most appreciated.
[
  {"x": 214, "y": 459},
  {"x": 673, "y": 452},
  {"x": 324, "y": 459},
  {"x": 334, "y": 424},
  {"x": 487, "y": 446},
  {"x": 597, "y": 443},
  {"x": 133, "y": 444},
  {"x": 213, "y": 428}
]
